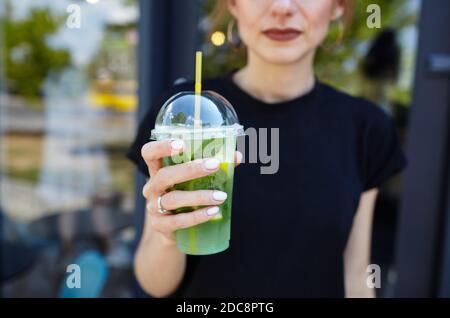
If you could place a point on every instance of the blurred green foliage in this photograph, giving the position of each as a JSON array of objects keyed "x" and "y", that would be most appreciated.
[
  {"x": 28, "y": 56},
  {"x": 340, "y": 65}
]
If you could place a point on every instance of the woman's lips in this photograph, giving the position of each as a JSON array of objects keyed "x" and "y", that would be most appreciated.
[{"x": 282, "y": 35}]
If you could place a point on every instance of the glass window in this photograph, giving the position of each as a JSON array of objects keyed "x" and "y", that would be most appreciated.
[{"x": 68, "y": 74}]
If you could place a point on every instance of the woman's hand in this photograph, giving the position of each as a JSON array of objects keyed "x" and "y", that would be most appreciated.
[{"x": 163, "y": 178}]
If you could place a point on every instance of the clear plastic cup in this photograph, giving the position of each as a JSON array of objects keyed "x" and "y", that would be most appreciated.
[{"x": 210, "y": 133}]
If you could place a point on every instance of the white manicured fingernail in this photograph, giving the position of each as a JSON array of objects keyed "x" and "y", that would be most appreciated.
[
  {"x": 211, "y": 164},
  {"x": 219, "y": 195},
  {"x": 177, "y": 144},
  {"x": 212, "y": 211}
]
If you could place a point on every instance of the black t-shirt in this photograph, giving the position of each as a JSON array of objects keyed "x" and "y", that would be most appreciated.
[{"x": 289, "y": 229}]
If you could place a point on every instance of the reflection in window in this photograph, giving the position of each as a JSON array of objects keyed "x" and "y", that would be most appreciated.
[{"x": 67, "y": 117}]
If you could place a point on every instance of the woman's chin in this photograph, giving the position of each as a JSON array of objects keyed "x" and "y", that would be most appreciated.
[{"x": 283, "y": 55}]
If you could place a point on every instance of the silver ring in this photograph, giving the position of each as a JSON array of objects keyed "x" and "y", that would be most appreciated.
[{"x": 160, "y": 208}]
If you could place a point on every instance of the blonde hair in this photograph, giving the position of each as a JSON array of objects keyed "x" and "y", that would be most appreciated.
[{"x": 220, "y": 16}]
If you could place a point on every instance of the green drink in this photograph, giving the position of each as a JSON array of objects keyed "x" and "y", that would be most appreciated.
[
  {"x": 213, "y": 236},
  {"x": 215, "y": 137}
]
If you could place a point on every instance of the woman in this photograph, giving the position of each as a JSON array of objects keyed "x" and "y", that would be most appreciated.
[{"x": 304, "y": 231}]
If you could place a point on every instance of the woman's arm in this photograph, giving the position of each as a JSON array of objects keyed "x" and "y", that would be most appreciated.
[
  {"x": 357, "y": 251},
  {"x": 159, "y": 266}
]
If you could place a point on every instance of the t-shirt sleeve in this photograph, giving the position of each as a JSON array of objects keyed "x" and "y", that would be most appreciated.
[{"x": 384, "y": 156}]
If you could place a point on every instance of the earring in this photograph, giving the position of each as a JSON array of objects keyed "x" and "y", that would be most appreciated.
[
  {"x": 233, "y": 37},
  {"x": 339, "y": 38}
]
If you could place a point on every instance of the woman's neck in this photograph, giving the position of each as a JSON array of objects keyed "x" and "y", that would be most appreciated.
[{"x": 272, "y": 83}]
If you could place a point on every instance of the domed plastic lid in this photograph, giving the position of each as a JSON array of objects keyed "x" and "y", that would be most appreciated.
[{"x": 187, "y": 115}]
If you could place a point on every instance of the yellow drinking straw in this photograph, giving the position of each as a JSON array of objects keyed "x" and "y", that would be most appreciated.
[
  {"x": 192, "y": 233},
  {"x": 198, "y": 87}
]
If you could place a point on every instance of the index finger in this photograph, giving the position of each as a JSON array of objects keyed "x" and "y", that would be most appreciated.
[{"x": 153, "y": 151}]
